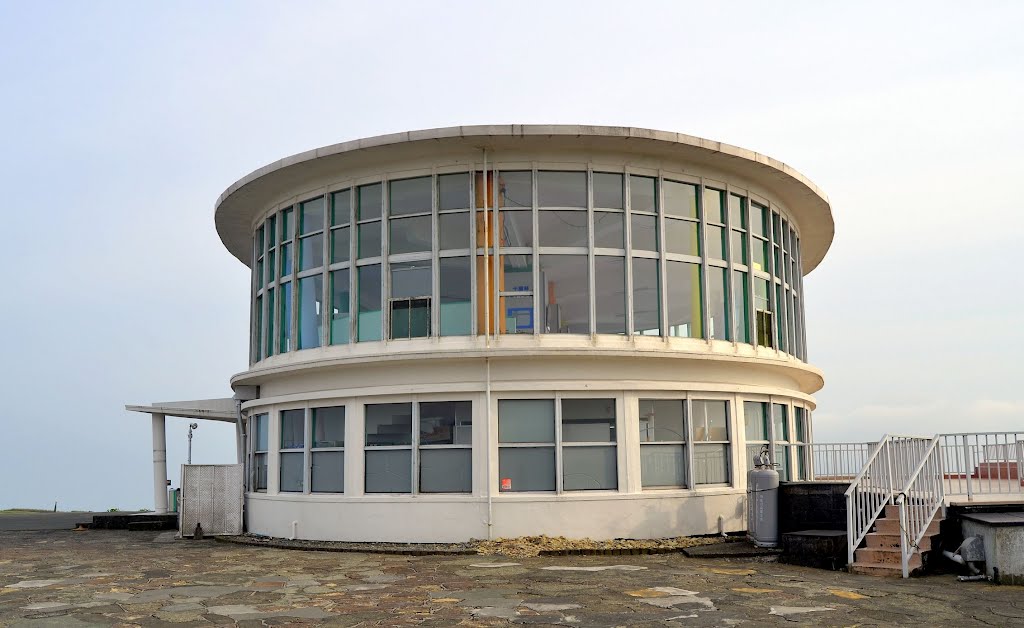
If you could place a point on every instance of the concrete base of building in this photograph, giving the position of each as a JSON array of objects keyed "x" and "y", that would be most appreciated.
[{"x": 424, "y": 519}]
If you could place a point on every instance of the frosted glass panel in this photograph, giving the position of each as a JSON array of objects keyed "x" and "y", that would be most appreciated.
[
  {"x": 291, "y": 472},
  {"x": 711, "y": 464},
  {"x": 755, "y": 420},
  {"x": 446, "y": 470},
  {"x": 589, "y": 469},
  {"x": 526, "y": 420},
  {"x": 389, "y": 471},
  {"x": 328, "y": 472},
  {"x": 662, "y": 465},
  {"x": 293, "y": 425},
  {"x": 526, "y": 468}
]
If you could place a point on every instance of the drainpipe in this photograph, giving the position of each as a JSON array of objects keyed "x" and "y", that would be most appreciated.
[{"x": 488, "y": 238}]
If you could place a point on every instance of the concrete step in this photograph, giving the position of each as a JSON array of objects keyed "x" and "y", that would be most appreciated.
[
  {"x": 884, "y": 540},
  {"x": 141, "y": 526},
  {"x": 887, "y": 556},
  {"x": 892, "y": 511},
  {"x": 892, "y": 526},
  {"x": 884, "y": 570}
]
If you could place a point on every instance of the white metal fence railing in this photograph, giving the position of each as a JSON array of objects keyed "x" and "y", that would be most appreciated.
[
  {"x": 919, "y": 500},
  {"x": 890, "y": 467},
  {"x": 838, "y": 461},
  {"x": 983, "y": 464},
  {"x": 919, "y": 474}
]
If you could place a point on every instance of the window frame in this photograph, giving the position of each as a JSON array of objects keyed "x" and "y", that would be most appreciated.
[{"x": 559, "y": 443}]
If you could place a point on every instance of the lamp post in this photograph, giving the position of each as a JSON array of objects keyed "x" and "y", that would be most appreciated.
[{"x": 192, "y": 426}]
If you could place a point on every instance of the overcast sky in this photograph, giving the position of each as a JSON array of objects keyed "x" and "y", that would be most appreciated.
[{"x": 123, "y": 121}]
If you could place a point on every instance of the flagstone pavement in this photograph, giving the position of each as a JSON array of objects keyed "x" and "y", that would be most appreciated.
[{"x": 116, "y": 578}]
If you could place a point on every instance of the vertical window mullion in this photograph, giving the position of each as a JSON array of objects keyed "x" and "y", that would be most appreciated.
[
  {"x": 414, "y": 455},
  {"x": 353, "y": 253},
  {"x": 690, "y": 449},
  {"x": 659, "y": 221},
  {"x": 307, "y": 457},
  {"x": 435, "y": 263},
  {"x": 539, "y": 318},
  {"x": 592, "y": 280},
  {"x": 730, "y": 260},
  {"x": 558, "y": 446},
  {"x": 627, "y": 234},
  {"x": 326, "y": 302},
  {"x": 705, "y": 297}
]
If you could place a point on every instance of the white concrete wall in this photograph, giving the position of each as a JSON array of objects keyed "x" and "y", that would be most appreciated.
[{"x": 424, "y": 519}]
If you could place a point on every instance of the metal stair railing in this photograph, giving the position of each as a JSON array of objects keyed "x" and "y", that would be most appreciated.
[
  {"x": 890, "y": 467},
  {"x": 922, "y": 496}
]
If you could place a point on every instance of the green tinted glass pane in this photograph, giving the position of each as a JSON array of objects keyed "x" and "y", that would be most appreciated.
[
  {"x": 718, "y": 288},
  {"x": 369, "y": 321},
  {"x": 284, "y": 341},
  {"x": 271, "y": 315},
  {"x": 312, "y": 216},
  {"x": 684, "y": 300},
  {"x": 409, "y": 196},
  {"x": 453, "y": 191},
  {"x": 716, "y": 242},
  {"x": 286, "y": 259},
  {"x": 339, "y": 245},
  {"x": 456, "y": 296},
  {"x": 739, "y": 247},
  {"x": 738, "y": 211},
  {"x": 368, "y": 203},
  {"x": 339, "y": 307},
  {"x": 740, "y": 307},
  {"x": 311, "y": 291},
  {"x": 286, "y": 225},
  {"x": 341, "y": 208},
  {"x": 311, "y": 252},
  {"x": 369, "y": 240}
]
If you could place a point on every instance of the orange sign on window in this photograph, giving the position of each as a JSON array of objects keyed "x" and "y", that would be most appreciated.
[{"x": 506, "y": 484}]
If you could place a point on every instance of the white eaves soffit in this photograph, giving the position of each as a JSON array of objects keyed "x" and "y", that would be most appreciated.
[{"x": 237, "y": 208}]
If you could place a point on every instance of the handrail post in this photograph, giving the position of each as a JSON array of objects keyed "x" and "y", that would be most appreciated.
[
  {"x": 904, "y": 541},
  {"x": 968, "y": 468}
]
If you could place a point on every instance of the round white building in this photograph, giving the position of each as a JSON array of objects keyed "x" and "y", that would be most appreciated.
[{"x": 499, "y": 331}]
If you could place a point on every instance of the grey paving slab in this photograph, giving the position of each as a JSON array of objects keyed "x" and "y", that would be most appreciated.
[{"x": 60, "y": 578}]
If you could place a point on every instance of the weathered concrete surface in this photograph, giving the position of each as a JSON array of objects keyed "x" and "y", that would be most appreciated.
[
  {"x": 105, "y": 578},
  {"x": 23, "y": 521}
]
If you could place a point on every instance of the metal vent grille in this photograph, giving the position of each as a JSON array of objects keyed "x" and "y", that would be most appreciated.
[{"x": 211, "y": 494}]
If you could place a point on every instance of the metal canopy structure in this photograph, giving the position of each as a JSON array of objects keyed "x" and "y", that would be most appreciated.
[{"x": 224, "y": 409}]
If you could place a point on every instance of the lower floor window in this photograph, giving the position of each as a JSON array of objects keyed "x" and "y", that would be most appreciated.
[
  {"x": 435, "y": 456},
  {"x": 533, "y": 432}
]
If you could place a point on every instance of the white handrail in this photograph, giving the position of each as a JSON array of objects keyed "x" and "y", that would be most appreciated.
[
  {"x": 890, "y": 466},
  {"x": 920, "y": 499}
]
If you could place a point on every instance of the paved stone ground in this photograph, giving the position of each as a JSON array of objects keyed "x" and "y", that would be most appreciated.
[{"x": 99, "y": 577}]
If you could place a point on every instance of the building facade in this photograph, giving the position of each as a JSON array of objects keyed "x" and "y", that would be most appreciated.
[{"x": 482, "y": 332}]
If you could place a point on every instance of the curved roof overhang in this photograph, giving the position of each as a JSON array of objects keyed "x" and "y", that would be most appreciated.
[{"x": 237, "y": 208}]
